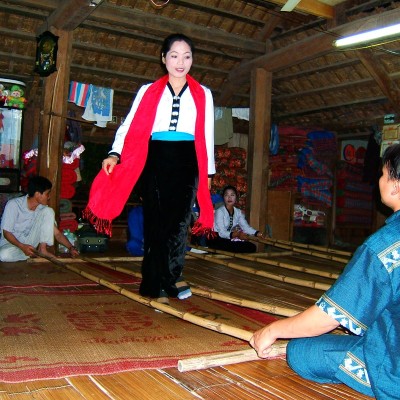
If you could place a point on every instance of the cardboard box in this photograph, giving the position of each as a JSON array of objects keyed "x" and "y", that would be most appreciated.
[{"x": 391, "y": 132}]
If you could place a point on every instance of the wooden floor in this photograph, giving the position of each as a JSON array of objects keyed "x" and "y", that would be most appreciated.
[{"x": 264, "y": 379}]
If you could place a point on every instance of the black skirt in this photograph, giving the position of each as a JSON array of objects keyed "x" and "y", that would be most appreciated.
[{"x": 168, "y": 187}]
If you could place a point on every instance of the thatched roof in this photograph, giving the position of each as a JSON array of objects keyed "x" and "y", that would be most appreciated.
[{"x": 116, "y": 44}]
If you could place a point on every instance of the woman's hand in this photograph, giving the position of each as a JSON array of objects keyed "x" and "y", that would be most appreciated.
[
  {"x": 109, "y": 163},
  {"x": 239, "y": 234}
]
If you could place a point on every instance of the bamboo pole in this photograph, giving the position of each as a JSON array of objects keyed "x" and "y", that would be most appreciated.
[
  {"x": 79, "y": 260},
  {"x": 297, "y": 249},
  {"x": 276, "y": 277},
  {"x": 263, "y": 260},
  {"x": 234, "y": 357},
  {"x": 321, "y": 249},
  {"x": 194, "y": 319},
  {"x": 269, "y": 308},
  {"x": 278, "y": 253},
  {"x": 185, "y": 365},
  {"x": 109, "y": 266}
]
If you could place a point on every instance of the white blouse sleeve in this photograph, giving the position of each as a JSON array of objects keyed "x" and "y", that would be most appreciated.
[
  {"x": 242, "y": 222},
  {"x": 120, "y": 135},
  {"x": 209, "y": 130}
]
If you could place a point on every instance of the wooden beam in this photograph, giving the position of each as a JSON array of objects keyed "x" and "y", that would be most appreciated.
[
  {"x": 53, "y": 128},
  {"x": 263, "y": 35},
  {"x": 365, "y": 101},
  {"x": 137, "y": 56},
  {"x": 115, "y": 29},
  {"x": 98, "y": 48},
  {"x": 203, "y": 7},
  {"x": 154, "y": 38},
  {"x": 258, "y": 151},
  {"x": 317, "y": 69},
  {"x": 269, "y": 28},
  {"x": 293, "y": 54},
  {"x": 67, "y": 16},
  {"x": 319, "y": 44},
  {"x": 304, "y": 50},
  {"x": 381, "y": 77},
  {"x": 157, "y": 24},
  {"x": 324, "y": 89},
  {"x": 144, "y": 23}
]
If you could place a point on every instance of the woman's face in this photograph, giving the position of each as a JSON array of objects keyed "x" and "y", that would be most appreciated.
[
  {"x": 229, "y": 197},
  {"x": 178, "y": 60}
]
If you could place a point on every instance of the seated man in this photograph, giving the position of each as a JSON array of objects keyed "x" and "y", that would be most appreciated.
[
  {"x": 28, "y": 224},
  {"x": 364, "y": 300}
]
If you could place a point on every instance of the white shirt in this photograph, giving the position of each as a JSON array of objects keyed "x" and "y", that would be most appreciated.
[
  {"x": 18, "y": 218},
  {"x": 222, "y": 222}
]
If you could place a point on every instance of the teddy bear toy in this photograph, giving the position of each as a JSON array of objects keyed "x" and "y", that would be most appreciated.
[{"x": 15, "y": 98}]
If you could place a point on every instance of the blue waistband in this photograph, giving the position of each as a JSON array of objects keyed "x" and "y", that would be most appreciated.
[{"x": 172, "y": 136}]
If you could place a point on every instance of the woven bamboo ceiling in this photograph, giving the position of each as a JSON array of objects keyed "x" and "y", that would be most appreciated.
[{"x": 116, "y": 44}]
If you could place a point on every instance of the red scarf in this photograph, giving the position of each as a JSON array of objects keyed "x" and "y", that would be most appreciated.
[{"x": 109, "y": 193}]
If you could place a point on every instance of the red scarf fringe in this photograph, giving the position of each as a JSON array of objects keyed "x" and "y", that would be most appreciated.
[
  {"x": 200, "y": 230},
  {"x": 101, "y": 225}
]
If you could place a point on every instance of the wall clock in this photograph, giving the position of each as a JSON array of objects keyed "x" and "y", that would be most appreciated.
[{"x": 46, "y": 53}]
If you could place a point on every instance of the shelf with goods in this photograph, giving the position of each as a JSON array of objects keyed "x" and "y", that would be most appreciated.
[
  {"x": 12, "y": 105},
  {"x": 359, "y": 211},
  {"x": 358, "y": 207},
  {"x": 355, "y": 199},
  {"x": 230, "y": 163},
  {"x": 303, "y": 168}
]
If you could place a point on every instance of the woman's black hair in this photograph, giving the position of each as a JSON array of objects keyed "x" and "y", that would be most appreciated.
[
  {"x": 229, "y": 187},
  {"x": 38, "y": 184},
  {"x": 175, "y": 37},
  {"x": 391, "y": 160}
]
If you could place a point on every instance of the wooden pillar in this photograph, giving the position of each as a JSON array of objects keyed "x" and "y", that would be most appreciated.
[
  {"x": 258, "y": 151},
  {"x": 52, "y": 132}
]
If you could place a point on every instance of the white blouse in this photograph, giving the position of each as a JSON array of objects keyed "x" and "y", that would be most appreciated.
[
  {"x": 223, "y": 224},
  {"x": 186, "y": 121}
]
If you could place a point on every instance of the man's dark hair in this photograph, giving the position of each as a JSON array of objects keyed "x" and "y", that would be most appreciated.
[
  {"x": 38, "y": 184},
  {"x": 391, "y": 159}
]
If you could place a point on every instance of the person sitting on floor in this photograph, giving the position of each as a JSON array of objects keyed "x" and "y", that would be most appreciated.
[
  {"x": 28, "y": 223},
  {"x": 231, "y": 225},
  {"x": 365, "y": 301}
]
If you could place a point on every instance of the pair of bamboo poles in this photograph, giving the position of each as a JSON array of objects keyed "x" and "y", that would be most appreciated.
[{"x": 277, "y": 349}]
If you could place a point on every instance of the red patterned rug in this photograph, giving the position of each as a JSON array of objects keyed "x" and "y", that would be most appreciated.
[
  {"x": 57, "y": 332},
  {"x": 46, "y": 274}
]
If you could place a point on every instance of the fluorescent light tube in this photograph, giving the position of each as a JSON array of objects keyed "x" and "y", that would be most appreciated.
[{"x": 369, "y": 36}]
